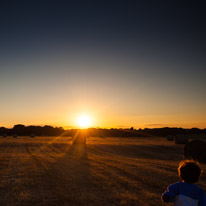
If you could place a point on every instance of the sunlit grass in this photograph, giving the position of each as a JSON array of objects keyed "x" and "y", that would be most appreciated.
[{"x": 107, "y": 171}]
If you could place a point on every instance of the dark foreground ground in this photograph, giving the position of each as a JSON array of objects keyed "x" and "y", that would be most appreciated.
[{"x": 109, "y": 171}]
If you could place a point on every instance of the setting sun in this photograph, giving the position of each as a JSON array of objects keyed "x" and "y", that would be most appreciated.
[{"x": 84, "y": 121}]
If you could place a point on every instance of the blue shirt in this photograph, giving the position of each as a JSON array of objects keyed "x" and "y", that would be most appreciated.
[{"x": 185, "y": 194}]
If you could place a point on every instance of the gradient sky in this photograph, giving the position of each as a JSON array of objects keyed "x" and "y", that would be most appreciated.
[{"x": 124, "y": 63}]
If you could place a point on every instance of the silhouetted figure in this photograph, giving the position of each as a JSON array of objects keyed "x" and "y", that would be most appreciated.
[{"x": 186, "y": 193}]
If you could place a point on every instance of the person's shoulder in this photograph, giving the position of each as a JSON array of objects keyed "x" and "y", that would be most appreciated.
[
  {"x": 183, "y": 185},
  {"x": 197, "y": 187},
  {"x": 200, "y": 189},
  {"x": 201, "y": 192},
  {"x": 193, "y": 187},
  {"x": 174, "y": 185}
]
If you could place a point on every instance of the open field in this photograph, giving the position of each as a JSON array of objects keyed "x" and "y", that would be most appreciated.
[{"x": 109, "y": 171}]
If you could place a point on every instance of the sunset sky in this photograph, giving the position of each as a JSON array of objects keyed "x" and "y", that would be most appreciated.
[{"x": 123, "y": 63}]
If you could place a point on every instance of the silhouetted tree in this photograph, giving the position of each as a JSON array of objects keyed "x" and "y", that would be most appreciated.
[{"x": 19, "y": 129}]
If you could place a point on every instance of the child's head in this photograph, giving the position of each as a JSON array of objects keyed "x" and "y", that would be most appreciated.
[{"x": 189, "y": 171}]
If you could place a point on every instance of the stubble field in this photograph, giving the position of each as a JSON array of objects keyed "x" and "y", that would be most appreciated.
[{"x": 108, "y": 171}]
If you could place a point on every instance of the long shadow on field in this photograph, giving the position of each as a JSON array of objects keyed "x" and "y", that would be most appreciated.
[
  {"x": 68, "y": 180},
  {"x": 159, "y": 152}
]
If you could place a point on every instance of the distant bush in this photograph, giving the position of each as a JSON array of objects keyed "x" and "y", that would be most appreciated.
[{"x": 196, "y": 150}]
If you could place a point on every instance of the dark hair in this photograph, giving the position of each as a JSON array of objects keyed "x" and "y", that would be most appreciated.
[{"x": 189, "y": 171}]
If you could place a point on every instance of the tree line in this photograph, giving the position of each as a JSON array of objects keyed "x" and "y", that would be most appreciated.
[{"x": 22, "y": 130}]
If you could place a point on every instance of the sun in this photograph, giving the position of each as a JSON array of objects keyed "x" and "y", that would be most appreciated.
[{"x": 84, "y": 121}]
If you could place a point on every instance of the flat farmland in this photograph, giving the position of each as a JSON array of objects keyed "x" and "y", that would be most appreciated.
[{"x": 108, "y": 171}]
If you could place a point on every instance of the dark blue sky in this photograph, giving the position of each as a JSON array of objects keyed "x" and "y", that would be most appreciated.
[
  {"x": 157, "y": 47},
  {"x": 176, "y": 25}
]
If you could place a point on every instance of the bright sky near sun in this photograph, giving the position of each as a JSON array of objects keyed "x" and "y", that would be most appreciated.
[
  {"x": 84, "y": 121},
  {"x": 122, "y": 65}
]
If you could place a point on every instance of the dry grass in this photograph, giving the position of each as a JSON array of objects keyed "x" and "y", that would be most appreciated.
[{"x": 109, "y": 171}]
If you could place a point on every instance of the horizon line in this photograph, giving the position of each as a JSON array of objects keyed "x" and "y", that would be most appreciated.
[{"x": 97, "y": 127}]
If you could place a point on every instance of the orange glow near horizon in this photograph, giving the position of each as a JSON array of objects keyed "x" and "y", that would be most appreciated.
[{"x": 69, "y": 120}]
